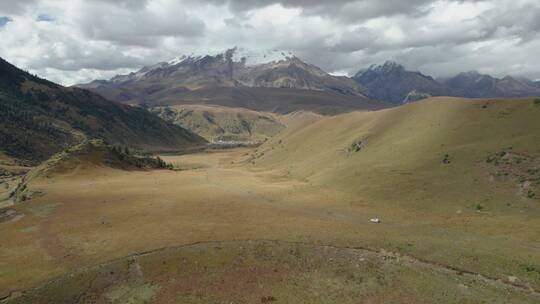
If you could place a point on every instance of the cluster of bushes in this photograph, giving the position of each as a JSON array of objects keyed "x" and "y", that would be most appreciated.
[
  {"x": 4, "y": 173},
  {"x": 125, "y": 155},
  {"x": 163, "y": 164}
]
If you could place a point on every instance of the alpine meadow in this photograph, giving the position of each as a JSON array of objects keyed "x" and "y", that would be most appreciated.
[{"x": 274, "y": 151}]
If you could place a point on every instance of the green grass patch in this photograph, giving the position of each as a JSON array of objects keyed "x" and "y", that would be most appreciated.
[
  {"x": 530, "y": 268},
  {"x": 43, "y": 211},
  {"x": 29, "y": 229}
]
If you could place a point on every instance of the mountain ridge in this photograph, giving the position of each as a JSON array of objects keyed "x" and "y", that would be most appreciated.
[
  {"x": 241, "y": 75},
  {"x": 40, "y": 118},
  {"x": 282, "y": 83},
  {"x": 392, "y": 83}
]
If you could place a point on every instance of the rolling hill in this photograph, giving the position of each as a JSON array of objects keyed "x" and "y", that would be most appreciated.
[
  {"x": 223, "y": 124},
  {"x": 415, "y": 138},
  {"x": 39, "y": 118},
  {"x": 273, "y": 81},
  {"x": 436, "y": 172}
]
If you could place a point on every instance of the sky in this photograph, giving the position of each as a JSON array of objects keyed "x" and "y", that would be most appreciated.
[{"x": 76, "y": 41}]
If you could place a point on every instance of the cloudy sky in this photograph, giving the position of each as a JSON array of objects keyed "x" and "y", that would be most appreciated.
[{"x": 73, "y": 41}]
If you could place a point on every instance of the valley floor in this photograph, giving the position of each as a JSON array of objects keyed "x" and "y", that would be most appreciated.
[{"x": 238, "y": 233}]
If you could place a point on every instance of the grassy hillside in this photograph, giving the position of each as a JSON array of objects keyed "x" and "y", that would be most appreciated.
[
  {"x": 266, "y": 272},
  {"x": 205, "y": 235},
  {"x": 454, "y": 181},
  {"x": 416, "y": 139},
  {"x": 221, "y": 123},
  {"x": 39, "y": 118}
]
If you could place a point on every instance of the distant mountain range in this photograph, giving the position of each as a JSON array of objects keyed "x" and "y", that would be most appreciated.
[
  {"x": 476, "y": 85},
  {"x": 390, "y": 82},
  {"x": 272, "y": 81},
  {"x": 39, "y": 118},
  {"x": 281, "y": 82}
]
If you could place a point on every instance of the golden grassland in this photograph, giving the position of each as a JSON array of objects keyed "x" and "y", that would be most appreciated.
[
  {"x": 216, "y": 123},
  {"x": 454, "y": 228}
]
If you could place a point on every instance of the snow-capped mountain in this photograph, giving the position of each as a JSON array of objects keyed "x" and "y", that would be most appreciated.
[
  {"x": 238, "y": 55},
  {"x": 232, "y": 77}
]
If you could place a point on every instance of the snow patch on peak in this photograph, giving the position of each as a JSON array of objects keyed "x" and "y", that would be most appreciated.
[
  {"x": 257, "y": 57},
  {"x": 182, "y": 58},
  {"x": 177, "y": 60},
  {"x": 340, "y": 73},
  {"x": 237, "y": 54}
]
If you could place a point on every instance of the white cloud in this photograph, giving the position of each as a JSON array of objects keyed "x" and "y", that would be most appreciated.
[{"x": 83, "y": 40}]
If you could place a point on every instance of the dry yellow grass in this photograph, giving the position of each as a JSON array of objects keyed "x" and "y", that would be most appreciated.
[
  {"x": 429, "y": 209},
  {"x": 304, "y": 186},
  {"x": 216, "y": 123}
]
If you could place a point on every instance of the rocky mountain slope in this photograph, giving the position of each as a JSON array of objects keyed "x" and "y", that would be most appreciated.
[
  {"x": 280, "y": 82},
  {"x": 392, "y": 83},
  {"x": 273, "y": 81},
  {"x": 39, "y": 118}
]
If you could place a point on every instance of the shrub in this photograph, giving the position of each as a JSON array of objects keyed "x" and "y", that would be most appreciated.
[
  {"x": 356, "y": 147},
  {"x": 479, "y": 207},
  {"x": 531, "y": 194},
  {"x": 446, "y": 159},
  {"x": 537, "y": 102},
  {"x": 530, "y": 268},
  {"x": 163, "y": 164}
]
